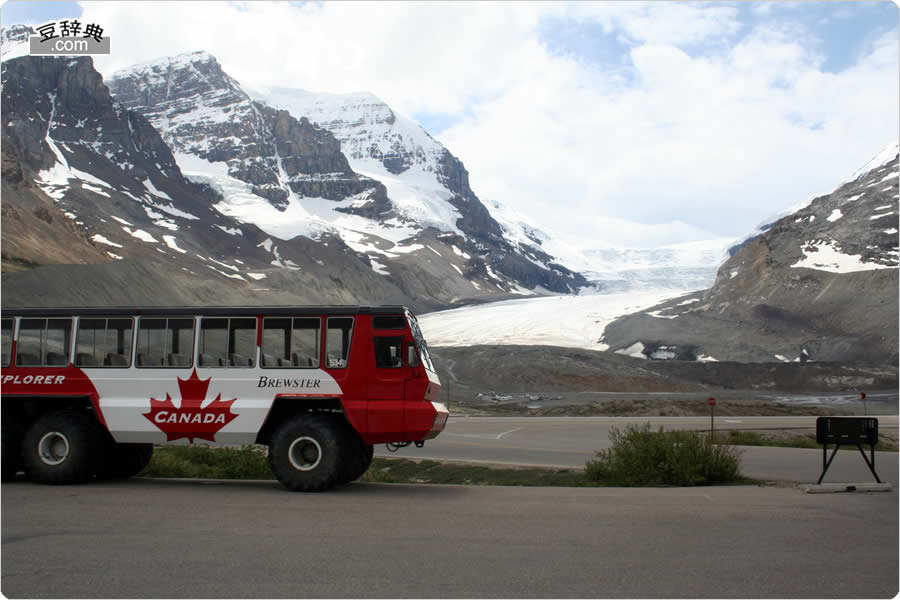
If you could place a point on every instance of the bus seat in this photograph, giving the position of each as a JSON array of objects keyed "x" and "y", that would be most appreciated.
[
  {"x": 56, "y": 359},
  {"x": 178, "y": 360},
  {"x": 84, "y": 359},
  {"x": 269, "y": 360},
  {"x": 238, "y": 360},
  {"x": 283, "y": 362},
  {"x": 115, "y": 360},
  {"x": 208, "y": 360},
  {"x": 27, "y": 359}
]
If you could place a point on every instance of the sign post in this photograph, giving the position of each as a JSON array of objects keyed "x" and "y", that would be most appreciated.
[
  {"x": 712, "y": 415},
  {"x": 865, "y": 404},
  {"x": 847, "y": 430}
]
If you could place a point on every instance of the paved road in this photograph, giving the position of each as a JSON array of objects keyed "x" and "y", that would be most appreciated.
[
  {"x": 567, "y": 442},
  {"x": 151, "y": 538}
]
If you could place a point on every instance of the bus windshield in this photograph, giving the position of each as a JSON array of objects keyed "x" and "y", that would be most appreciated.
[{"x": 420, "y": 342}]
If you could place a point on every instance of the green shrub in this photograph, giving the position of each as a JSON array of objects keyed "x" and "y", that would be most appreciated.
[{"x": 641, "y": 457}]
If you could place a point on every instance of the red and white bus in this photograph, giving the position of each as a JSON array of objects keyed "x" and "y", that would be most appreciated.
[{"x": 87, "y": 391}]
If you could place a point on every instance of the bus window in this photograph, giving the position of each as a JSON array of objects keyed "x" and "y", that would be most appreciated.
[
  {"x": 388, "y": 352},
  {"x": 165, "y": 342},
  {"x": 305, "y": 342},
  {"x": 103, "y": 343},
  {"x": 6, "y": 343},
  {"x": 337, "y": 342},
  {"x": 291, "y": 342},
  {"x": 389, "y": 322},
  {"x": 227, "y": 342},
  {"x": 44, "y": 342}
]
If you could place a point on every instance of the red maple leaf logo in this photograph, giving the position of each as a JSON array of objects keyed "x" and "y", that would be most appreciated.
[{"x": 190, "y": 421}]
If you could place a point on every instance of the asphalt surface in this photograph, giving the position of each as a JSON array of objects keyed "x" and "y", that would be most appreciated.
[
  {"x": 568, "y": 442},
  {"x": 158, "y": 539}
]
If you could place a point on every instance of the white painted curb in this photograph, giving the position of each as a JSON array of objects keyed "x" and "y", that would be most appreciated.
[{"x": 831, "y": 488}]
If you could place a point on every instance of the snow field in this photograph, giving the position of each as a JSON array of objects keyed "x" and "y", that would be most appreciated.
[{"x": 569, "y": 321}]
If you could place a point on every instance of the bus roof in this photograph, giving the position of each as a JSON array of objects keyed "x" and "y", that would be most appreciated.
[{"x": 203, "y": 311}]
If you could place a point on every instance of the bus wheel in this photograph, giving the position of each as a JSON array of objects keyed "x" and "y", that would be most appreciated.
[
  {"x": 306, "y": 452},
  {"x": 61, "y": 447},
  {"x": 124, "y": 460},
  {"x": 12, "y": 446},
  {"x": 361, "y": 459}
]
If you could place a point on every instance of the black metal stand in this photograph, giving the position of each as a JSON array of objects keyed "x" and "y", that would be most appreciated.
[{"x": 869, "y": 463}]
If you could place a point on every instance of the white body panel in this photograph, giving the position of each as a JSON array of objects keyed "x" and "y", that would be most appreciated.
[{"x": 125, "y": 397}]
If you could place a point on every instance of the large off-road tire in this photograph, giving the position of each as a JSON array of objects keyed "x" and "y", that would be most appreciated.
[
  {"x": 123, "y": 460},
  {"x": 360, "y": 458},
  {"x": 306, "y": 452},
  {"x": 12, "y": 446},
  {"x": 62, "y": 447}
]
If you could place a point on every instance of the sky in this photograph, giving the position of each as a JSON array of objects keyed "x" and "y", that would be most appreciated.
[{"x": 605, "y": 123}]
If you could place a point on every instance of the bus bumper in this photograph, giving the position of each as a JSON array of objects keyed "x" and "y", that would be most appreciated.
[{"x": 440, "y": 420}]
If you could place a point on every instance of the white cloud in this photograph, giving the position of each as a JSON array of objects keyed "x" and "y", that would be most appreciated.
[{"x": 683, "y": 142}]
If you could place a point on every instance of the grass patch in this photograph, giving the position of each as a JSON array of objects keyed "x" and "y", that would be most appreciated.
[
  {"x": 790, "y": 440},
  {"x": 401, "y": 470},
  {"x": 208, "y": 462},
  {"x": 641, "y": 457}
]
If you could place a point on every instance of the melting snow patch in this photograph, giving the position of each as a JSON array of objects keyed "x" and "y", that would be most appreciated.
[
  {"x": 635, "y": 350},
  {"x": 457, "y": 268},
  {"x": 824, "y": 256},
  {"x": 141, "y": 235},
  {"x": 237, "y": 231},
  {"x": 70, "y": 215},
  {"x": 256, "y": 276},
  {"x": 890, "y": 231},
  {"x": 853, "y": 198},
  {"x": 379, "y": 268},
  {"x": 94, "y": 189},
  {"x": 691, "y": 301},
  {"x": 733, "y": 274},
  {"x": 835, "y": 215},
  {"x": 781, "y": 358},
  {"x": 662, "y": 353},
  {"x": 116, "y": 256},
  {"x": 231, "y": 275},
  {"x": 893, "y": 175},
  {"x": 227, "y": 266},
  {"x": 887, "y": 214},
  {"x": 433, "y": 250},
  {"x": 102, "y": 240},
  {"x": 656, "y": 313},
  {"x": 812, "y": 218},
  {"x": 459, "y": 252},
  {"x": 122, "y": 221},
  {"x": 170, "y": 242},
  {"x": 705, "y": 358},
  {"x": 152, "y": 189}
]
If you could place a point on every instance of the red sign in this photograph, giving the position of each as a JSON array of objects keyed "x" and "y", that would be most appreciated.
[
  {"x": 190, "y": 420},
  {"x": 712, "y": 401}
]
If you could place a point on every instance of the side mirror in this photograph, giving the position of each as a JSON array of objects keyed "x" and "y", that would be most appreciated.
[{"x": 412, "y": 357}]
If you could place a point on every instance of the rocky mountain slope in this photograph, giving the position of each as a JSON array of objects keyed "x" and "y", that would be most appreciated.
[
  {"x": 246, "y": 200},
  {"x": 249, "y": 150},
  {"x": 427, "y": 184},
  {"x": 86, "y": 181},
  {"x": 820, "y": 284}
]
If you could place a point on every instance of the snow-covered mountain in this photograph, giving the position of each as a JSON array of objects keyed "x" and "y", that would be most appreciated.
[
  {"x": 85, "y": 181},
  {"x": 400, "y": 201},
  {"x": 818, "y": 284}
]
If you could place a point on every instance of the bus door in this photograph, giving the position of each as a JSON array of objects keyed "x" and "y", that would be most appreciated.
[{"x": 387, "y": 385}]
